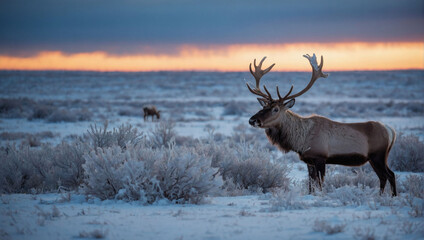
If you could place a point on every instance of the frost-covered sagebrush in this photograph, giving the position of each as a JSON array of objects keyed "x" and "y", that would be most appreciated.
[
  {"x": 185, "y": 175},
  {"x": 162, "y": 134},
  {"x": 25, "y": 169},
  {"x": 101, "y": 137},
  {"x": 141, "y": 173},
  {"x": 124, "y": 174},
  {"x": 246, "y": 166},
  {"x": 407, "y": 154}
]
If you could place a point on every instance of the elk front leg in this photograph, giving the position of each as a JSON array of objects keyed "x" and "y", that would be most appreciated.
[
  {"x": 320, "y": 166},
  {"x": 316, "y": 172},
  {"x": 312, "y": 178}
]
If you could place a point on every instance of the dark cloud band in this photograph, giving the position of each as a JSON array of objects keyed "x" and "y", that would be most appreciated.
[{"x": 122, "y": 27}]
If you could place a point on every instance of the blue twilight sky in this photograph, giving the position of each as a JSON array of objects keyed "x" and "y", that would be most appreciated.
[{"x": 158, "y": 26}]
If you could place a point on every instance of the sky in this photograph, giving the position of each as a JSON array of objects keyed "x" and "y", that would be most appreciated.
[{"x": 127, "y": 35}]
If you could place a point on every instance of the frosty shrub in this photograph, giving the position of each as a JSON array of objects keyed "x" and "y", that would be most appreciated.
[
  {"x": 124, "y": 174},
  {"x": 348, "y": 195},
  {"x": 104, "y": 172},
  {"x": 324, "y": 226},
  {"x": 234, "y": 108},
  {"x": 220, "y": 155},
  {"x": 254, "y": 168},
  {"x": 67, "y": 161},
  {"x": 95, "y": 234},
  {"x": 83, "y": 114},
  {"x": 11, "y": 178},
  {"x": 11, "y": 136},
  {"x": 126, "y": 134},
  {"x": 366, "y": 233},
  {"x": 16, "y": 108},
  {"x": 32, "y": 141},
  {"x": 26, "y": 169},
  {"x": 41, "y": 112},
  {"x": 186, "y": 176},
  {"x": 413, "y": 185},
  {"x": 139, "y": 173},
  {"x": 140, "y": 183},
  {"x": 287, "y": 200},
  {"x": 337, "y": 177},
  {"x": 100, "y": 137},
  {"x": 186, "y": 141},
  {"x": 407, "y": 154},
  {"x": 62, "y": 115},
  {"x": 250, "y": 135},
  {"x": 162, "y": 134},
  {"x": 246, "y": 166}
]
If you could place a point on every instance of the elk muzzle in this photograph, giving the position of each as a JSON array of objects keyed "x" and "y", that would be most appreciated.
[{"x": 255, "y": 122}]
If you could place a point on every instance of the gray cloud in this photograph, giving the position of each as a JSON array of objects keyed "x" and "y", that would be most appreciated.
[{"x": 122, "y": 27}]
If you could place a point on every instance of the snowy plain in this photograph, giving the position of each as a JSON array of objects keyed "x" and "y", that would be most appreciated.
[{"x": 198, "y": 102}]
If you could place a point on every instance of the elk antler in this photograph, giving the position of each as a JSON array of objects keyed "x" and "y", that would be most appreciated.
[
  {"x": 316, "y": 73},
  {"x": 258, "y": 74}
]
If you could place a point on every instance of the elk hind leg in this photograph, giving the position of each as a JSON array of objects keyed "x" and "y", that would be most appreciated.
[
  {"x": 381, "y": 170},
  {"x": 392, "y": 180}
]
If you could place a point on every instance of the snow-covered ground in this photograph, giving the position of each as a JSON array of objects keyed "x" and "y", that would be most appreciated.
[
  {"x": 256, "y": 216},
  {"x": 198, "y": 102},
  {"x": 52, "y": 216}
]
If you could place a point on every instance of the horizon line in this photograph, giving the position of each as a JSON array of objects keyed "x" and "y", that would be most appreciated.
[
  {"x": 201, "y": 71},
  {"x": 353, "y": 56}
]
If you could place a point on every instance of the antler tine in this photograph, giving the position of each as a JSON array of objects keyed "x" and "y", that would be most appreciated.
[
  {"x": 254, "y": 75},
  {"x": 316, "y": 73},
  {"x": 268, "y": 69},
  {"x": 256, "y": 92},
  {"x": 269, "y": 94},
  {"x": 258, "y": 74},
  {"x": 321, "y": 64},
  {"x": 260, "y": 63},
  {"x": 324, "y": 75},
  {"x": 283, "y": 98}
]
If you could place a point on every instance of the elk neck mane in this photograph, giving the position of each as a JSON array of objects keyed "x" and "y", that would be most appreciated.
[{"x": 292, "y": 132}]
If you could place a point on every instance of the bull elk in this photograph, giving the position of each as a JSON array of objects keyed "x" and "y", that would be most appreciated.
[
  {"x": 151, "y": 111},
  {"x": 317, "y": 139}
]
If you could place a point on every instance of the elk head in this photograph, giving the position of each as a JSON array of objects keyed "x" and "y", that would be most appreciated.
[{"x": 274, "y": 109}]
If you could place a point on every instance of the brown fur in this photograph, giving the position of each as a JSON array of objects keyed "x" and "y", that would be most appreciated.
[
  {"x": 152, "y": 111},
  {"x": 319, "y": 141}
]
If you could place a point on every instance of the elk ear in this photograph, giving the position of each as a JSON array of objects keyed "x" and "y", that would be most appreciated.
[
  {"x": 290, "y": 103},
  {"x": 262, "y": 101}
]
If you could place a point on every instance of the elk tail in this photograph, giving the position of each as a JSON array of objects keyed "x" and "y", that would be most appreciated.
[{"x": 392, "y": 137}]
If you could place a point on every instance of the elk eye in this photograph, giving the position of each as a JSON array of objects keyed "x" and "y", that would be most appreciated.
[{"x": 275, "y": 110}]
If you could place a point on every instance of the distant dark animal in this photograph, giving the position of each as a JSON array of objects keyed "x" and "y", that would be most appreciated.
[
  {"x": 152, "y": 111},
  {"x": 319, "y": 140}
]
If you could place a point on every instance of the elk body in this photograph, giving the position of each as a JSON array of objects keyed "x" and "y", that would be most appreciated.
[
  {"x": 151, "y": 111},
  {"x": 319, "y": 140}
]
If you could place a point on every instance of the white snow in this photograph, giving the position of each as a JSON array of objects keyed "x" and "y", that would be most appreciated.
[{"x": 25, "y": 216}]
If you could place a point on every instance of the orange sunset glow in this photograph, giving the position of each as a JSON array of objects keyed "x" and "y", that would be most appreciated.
[{"x": 234, "y": 57}]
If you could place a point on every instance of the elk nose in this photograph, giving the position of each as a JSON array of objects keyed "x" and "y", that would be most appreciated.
[{"x": 254, "y": 122}]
